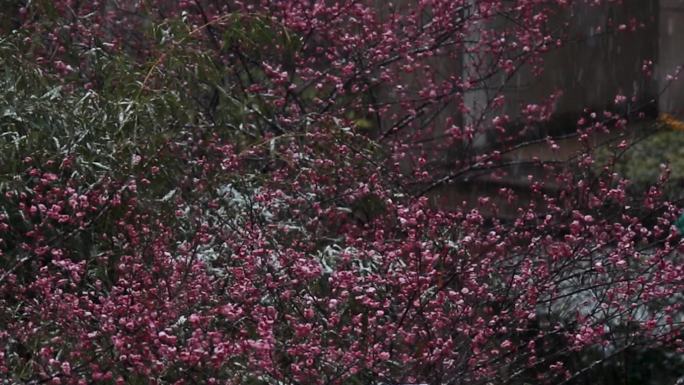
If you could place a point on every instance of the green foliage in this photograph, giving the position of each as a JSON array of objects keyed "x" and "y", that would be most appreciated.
[
  {"x": 641, "y": 163},
  {"x": 44, "y": 120}
]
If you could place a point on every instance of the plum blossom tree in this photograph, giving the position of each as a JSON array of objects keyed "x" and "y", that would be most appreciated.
[{"x": 247, "y": 192}]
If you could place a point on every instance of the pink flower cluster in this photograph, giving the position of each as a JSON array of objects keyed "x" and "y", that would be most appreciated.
[{"x": 320, "y": 253}]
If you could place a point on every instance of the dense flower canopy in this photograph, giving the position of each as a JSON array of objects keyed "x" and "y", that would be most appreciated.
[{"x": 254, "y": 192}]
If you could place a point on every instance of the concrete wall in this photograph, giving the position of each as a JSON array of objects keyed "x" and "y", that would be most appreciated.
[
  {"x": 671, "y": 55},
  {"x": 598, "y": 61}
]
